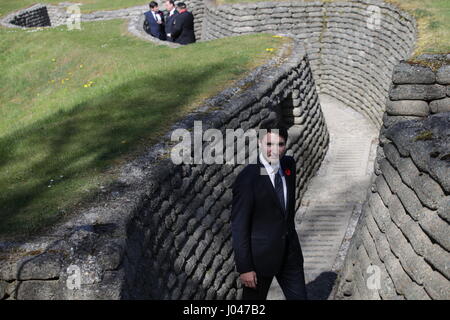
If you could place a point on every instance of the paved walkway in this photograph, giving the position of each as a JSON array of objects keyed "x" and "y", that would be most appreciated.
[{"x": 330, "y": 207}]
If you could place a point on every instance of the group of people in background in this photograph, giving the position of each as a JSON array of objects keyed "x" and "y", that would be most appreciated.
[{"x": 177, "y": 26}]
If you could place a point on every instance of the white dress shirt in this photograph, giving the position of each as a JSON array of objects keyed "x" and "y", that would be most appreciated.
[
  {"x": 272, "y": 169},
  {"x": 156, "y": 16}
]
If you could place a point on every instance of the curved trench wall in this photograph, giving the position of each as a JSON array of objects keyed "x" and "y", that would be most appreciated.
[
  {"x": 165, "y": 232},
  {"x": 35, "y": 16},
  {"x": 352, "y": 46},
  {"x": 401, "y": 248}
]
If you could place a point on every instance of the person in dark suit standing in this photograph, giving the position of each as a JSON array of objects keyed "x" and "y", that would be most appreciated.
[
  {"x": 264, "y": 238},
  {"x": 154, "y": 21},
  {"x": 183, "y": 26},
  {"x": 171, "y": 14}
]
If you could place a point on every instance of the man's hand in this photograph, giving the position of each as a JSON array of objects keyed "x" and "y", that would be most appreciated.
[{"x": 248, "y": 279}]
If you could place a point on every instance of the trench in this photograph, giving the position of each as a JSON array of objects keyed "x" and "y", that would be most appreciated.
[{"x": 178, "y": 243}]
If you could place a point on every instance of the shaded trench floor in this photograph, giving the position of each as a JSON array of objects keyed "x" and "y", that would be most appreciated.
[{"x": 332, "y": 203}]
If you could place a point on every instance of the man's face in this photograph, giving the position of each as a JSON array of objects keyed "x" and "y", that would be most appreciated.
[
  {"x": 169, "y": 6},
  {"x": 156, "y": 9},
  {"x": 273, "y": 147}
]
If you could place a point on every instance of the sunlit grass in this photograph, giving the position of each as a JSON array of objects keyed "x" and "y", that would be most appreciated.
[{"x": 74, "y": 105}]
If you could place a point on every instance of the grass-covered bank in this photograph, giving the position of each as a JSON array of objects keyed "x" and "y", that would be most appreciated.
[{"x": 75, "y": 104}]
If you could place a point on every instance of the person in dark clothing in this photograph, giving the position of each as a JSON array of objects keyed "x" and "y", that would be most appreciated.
[
  {"x": 154, "y": 22},
  {"x": 183, "y": 26},
  {"x": 264, "y": 238},
  {"x": 171, "y": 14}
]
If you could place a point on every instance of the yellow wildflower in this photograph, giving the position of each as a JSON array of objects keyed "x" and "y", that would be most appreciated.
[
  {"x": 270, "y": 49},
  {"x": 88, "y": 84}
]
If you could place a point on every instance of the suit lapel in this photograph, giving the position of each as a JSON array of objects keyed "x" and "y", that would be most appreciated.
[{"x": 265, "y": 179}]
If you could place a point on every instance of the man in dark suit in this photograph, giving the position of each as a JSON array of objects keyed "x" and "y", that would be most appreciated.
[
  {"x": 264, "y": 238},
  {"x": 154, "y": 22},
  {"x": 171, "y": 14},
  {"x": 183, "y": 26}
]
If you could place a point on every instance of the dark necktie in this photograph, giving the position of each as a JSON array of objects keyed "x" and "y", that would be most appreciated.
[{"x": 279, "y": 189}]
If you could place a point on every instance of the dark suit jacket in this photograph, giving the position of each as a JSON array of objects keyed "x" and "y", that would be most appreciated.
[
  {"x": 169, "y": 22},
  {"x": 183, "y": 28},
  {"x": 259, "y": 225},
  {"x": 155, "y": 29}
]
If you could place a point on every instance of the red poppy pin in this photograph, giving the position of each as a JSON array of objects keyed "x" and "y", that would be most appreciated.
[{"x": 287, "y": 172}]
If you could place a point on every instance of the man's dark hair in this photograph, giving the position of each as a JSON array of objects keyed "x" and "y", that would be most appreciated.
[
  {"x": 153, "y": 4},
  {"x": 273, "y": 126},
  {"x": 172, "y": 2},
  {"x": 181, "y": 5}
]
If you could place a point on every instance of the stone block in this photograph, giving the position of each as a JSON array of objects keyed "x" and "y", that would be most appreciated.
[
  {"x": 438, "y": 258},
  {"x": 379, "y": 212},
  {"x": 392, "y": 154},
  {"x": 443, "y": 75},
  {"x": 389, "y": 120},
  {"x": 427, "y": 190},
  {"x": 408, "y": 171},
  {"x": 436, "y": 228},
  {"x": 444, "y": 209},
  {"x": 400, "y": 279},
  {"x": 397, "y": 212},
  {"x": 383, "y": 189},
  {"x": 441, "y": 105},
  {"x": 425, "y": 92},
  {"x": 410, "y": 201},
  {"x": 437, "y": 286},
  {"x": 409, "y": 73},
  {"x": 40, "y": 290},
  {"x": 407, "y": 108},
  {"x": 41, "y": 267},
  {"x": 391, "y": 175}
]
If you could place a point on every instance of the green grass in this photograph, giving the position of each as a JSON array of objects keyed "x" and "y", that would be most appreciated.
[
  {"x": 61, "y": 139},
  {"x": 433, "y": 17}
]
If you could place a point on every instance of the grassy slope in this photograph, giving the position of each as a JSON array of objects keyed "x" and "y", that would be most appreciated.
[
  {"x": 433, "y": 17},
  {"x": 59, "y": 136}
]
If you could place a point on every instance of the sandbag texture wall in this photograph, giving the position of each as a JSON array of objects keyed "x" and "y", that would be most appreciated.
[
  {"x": 35, "y": 16},
  {"x": 352, "y": 46},
  {"x": 401, "y": 248}
]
